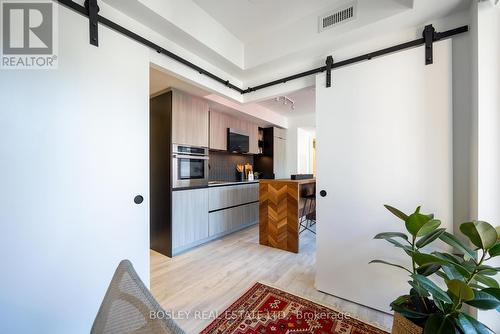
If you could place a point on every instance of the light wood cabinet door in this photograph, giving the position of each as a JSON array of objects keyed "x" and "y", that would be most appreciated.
[
  {"x": 220, "y": 122},
  {"x": 189, "y": 120},
  {"x": 226, "y": 196},
  {"x": 225, "y": 221},
  {"x": 279, "y": 158},
  {"x": 218, "y": 130},
  {"x": 189, "y": 217},
  {"x": 253, "y": 131}
]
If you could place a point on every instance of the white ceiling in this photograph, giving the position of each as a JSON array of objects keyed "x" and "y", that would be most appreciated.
[
  {"x": 160, "y": 81},
  {"x": 305, "y": 103},
  {"x": 251, "y": 19},
  {"x": 241, "y": 37},
  {"x": 250, "y": 42}
]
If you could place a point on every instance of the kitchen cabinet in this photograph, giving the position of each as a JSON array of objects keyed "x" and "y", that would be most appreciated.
[
  {"x": 160, "y": 147},
  {"x": 226, "y": 221},
  {"x": 189, "y": 218},
  {"x": 279, "y": 153},
  {"x": 232, "y": 208},
  {"x": 220, "y": 122},
  {"x": 218, "y": 130},
  {"x": 190, "y": 119},
  {"x": 227, "y": 196},
  {"x": 272, "y": 162},
  {"x": 253, "y": 132}
]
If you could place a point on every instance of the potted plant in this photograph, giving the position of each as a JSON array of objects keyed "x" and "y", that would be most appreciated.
[{"x": 428, "y": 308}]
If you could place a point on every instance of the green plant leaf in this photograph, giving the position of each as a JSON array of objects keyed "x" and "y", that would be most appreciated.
[
  {"x": 443, "y": 275},
  {"x": 422, "y": 259},
  {"x": 434, "y": 290},
  {"x": 476, "y": 286},
  {"x": 439, "y": 324},
  {"x": 452, "y": 273},
  {"x": 397, "y": 212},
  {"x": 470, "y": 325},
  {"x": 418, "y": 289},
  {"x": 404, "y": 299},
  {"x": 459, "y": 289},
  {"x": 390, "y": 264},
  {"x": 419, "y": 224},
  {"x": 484, "y": 301},
  {"x": 428, "y": 269},
  {"x": 450, "y": 257},
  {"x": 400, "y": 305},
  {"x": 498, "y": 232},
  {"x": 453, "y": 241},
  {"x": 387, "y": 235},
  {"x": 495, "y": 250},
  {"x": 480, "y": 233},
  {"x": 408, "y": 313},
  {"x": 396, "y": 243},
  {"x": 493, "y": 291},
  {"x": 488, "y": 270},
  {"x": 417, "y": 302},
  {"x": 439, "y": 304},
  {"x": 488, "y": 281},
  {"x": 428, "y": 238},
  {"x": 428, "y": 227}
]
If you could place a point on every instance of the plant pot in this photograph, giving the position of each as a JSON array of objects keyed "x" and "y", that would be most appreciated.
[{"x": 401, "y": 325}]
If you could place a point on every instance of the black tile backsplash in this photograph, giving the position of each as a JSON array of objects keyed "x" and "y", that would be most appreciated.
[{"x": 223, "y": 165}]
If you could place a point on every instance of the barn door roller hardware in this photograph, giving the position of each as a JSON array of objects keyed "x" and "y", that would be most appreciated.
[
  {"x": 429, "y": 36},
  {"x": 329, "y": 64},
  {"x": 91, "y": 10}
]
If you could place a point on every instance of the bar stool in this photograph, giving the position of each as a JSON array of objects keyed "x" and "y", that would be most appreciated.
[{"x": 308, "y": 218}]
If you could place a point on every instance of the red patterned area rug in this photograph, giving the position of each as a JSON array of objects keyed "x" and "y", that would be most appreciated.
[{"x": 266, "y": 310}]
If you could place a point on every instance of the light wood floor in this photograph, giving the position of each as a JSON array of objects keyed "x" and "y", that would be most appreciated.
[{"x": 209, "y": 278}]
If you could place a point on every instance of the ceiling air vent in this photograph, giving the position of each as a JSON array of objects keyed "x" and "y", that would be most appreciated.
[{"x": 336, "y": 17}]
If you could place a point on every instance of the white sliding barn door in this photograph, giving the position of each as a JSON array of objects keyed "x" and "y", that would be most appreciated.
[
  {"x": 74, "y": 152},
  {"x": 384, "y": 133}
]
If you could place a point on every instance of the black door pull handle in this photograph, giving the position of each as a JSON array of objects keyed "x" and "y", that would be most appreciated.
[
  {"x": 322, "y": 193},
  {"x": 138, "y": 199}
]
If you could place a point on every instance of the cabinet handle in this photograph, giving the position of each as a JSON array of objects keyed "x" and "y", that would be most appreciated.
[
  {"x": 323, "y": 193},
  {"x": 138, "y": 199}
]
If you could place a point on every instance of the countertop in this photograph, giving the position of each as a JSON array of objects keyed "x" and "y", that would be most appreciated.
[
  {"x": 230, "y": 183},
  {"x": 217, "y": 184},
  {"x": 304, "y": 181}
]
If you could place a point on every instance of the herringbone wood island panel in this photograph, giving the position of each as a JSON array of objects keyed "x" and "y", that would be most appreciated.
[{"x": 279, "y": 209}]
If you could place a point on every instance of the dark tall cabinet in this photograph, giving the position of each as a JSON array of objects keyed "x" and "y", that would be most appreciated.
[
  {"x": 160, "y": 153},
  {"x": 264, "y": 162},
  {"x": 271, "y": 163}
]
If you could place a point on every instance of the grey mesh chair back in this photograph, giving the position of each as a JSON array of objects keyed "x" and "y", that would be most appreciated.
[{"x": 127, "y": 305}]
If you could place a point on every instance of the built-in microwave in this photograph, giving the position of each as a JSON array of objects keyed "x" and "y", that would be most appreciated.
[
  {"x": 237, "y": 141},
  {"x": 189, "y": 166}
]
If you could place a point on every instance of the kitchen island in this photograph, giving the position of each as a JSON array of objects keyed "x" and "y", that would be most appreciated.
[{"x": 280, "y": 205}]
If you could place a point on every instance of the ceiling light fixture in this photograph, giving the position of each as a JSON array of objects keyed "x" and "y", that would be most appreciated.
[{"x": 284, "y": 100}]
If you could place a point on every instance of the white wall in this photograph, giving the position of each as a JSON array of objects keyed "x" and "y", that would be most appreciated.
[
  {"x": 463, "y": 131},
  {"x": 292, "y": 146},
  {"x": 384, "y": 132},
  {"x": 487, "y": 32},
  {"x": 305, "y": 146},
  {"x": 73, "y": 154}
]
